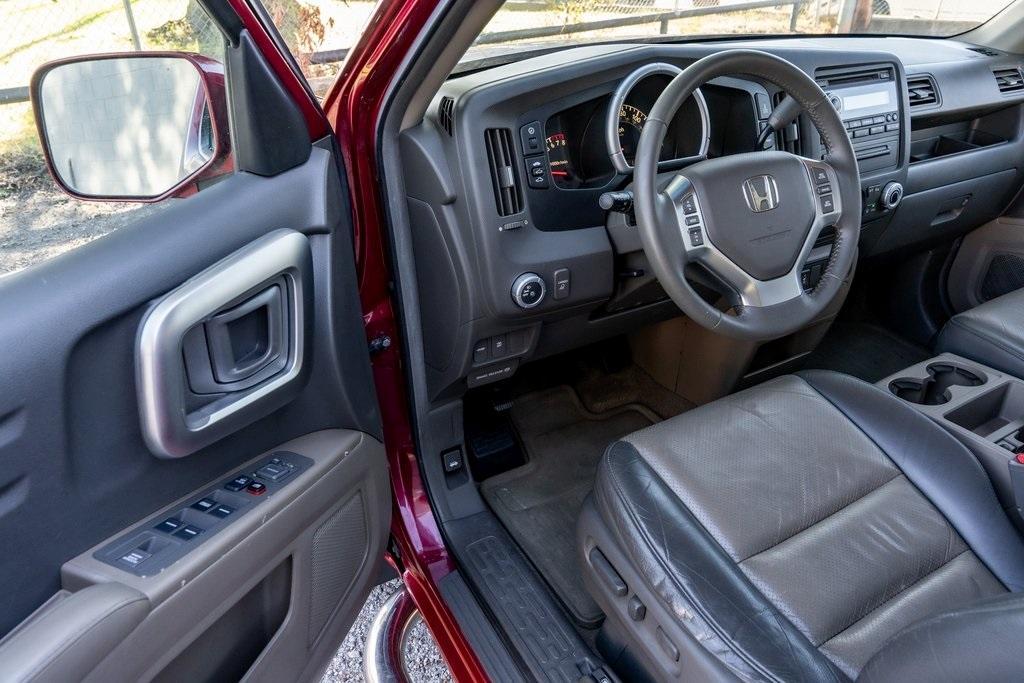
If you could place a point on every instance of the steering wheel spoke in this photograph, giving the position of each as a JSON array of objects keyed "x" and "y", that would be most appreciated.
[{"x": 751, "y": 220}]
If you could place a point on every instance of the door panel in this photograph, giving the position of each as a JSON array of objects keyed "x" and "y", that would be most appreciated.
[{"x": 77, "y": 472}]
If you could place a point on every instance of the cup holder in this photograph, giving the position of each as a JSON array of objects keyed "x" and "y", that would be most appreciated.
[{"x": 934, "y": 390}]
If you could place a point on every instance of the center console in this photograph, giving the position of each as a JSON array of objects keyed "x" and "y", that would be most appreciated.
[
  {"x": 983, "y": 408},
  {"x": 869, "y": 102}
]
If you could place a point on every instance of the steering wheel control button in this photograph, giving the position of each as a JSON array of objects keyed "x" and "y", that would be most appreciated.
[
  {"x": 825, "y": 189},
  {"x": 537, "y": 172},
  {"x": 169, "y": 526},
  {"x": 188, "y": 532},
  {"x": 531, "y": 137},
  {"x": 562, "y": 283},
  {"x": 256, "y": 488},
  {"x": 692, "y": 221},
  {"x": 820, "y": 176},
  {"x": 696, "y": 238},
  {"x": 204, "y": 505},
  {"x": 528, "y": 290},
  {"x": 689, "y": 205},
  {"x": 238, "y": 483},
  {"x": 827, "y": 204}
]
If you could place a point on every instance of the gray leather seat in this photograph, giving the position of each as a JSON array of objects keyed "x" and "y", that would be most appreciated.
[
  {"x": 992, "y": 334},
  {"x": 790, "y": 531}
]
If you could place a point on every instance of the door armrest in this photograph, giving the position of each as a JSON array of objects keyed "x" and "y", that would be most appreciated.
[{"x": 68, "y": 636}]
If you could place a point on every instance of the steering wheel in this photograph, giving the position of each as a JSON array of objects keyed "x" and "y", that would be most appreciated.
[{"x": 751, "y": 219}]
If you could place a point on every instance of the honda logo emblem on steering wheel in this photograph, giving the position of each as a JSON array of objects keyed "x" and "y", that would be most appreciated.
[{"x": 761, "y": 193}]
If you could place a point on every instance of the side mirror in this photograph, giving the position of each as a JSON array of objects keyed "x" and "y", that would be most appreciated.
[{"x": 132, "y": 126}]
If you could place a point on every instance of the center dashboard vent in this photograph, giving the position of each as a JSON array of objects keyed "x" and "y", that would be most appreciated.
[
  {"x": 1009, "y": 80},
  {"x": 446, "y": 114},
  {"x": 501, "y": 159},
  {"x": 922, "y": 91}
]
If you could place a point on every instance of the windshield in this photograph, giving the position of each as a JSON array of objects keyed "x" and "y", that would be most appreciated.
[{"x": 535, "y": 24}]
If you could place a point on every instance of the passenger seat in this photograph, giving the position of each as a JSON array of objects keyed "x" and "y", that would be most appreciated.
[{"x": 991, "y": 334}]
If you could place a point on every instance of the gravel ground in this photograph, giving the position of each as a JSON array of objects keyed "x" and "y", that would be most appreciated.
[
  {"x": 422, "y": 657},
  {"x": 36, "y": 224}
]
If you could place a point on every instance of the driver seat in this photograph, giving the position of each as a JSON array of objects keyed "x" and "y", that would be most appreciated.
[{"x": 813, "y": 528}]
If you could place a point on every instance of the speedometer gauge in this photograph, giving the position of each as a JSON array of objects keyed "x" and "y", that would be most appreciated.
[
  {"x": 558, "y": 160},
  {"x": 631, "y": 124}
]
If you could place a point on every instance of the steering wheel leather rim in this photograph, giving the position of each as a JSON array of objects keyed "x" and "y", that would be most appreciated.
[{"x": 655, "y": 209}]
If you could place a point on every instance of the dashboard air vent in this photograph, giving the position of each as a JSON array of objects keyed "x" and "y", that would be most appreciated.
[
  {"x": 502, "y": 160},
  {"x": 1009, "y": 80},
  {"x": 922, "y": 91},
  {"x": 987, "y": 51},
  {"x": 446, "y": 114}
]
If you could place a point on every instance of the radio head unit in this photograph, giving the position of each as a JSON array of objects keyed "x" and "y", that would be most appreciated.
[{"x": 869, "y": 104}]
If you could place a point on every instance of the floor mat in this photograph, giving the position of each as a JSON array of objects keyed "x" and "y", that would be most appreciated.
[
  {"x": 867, "y": 351},
  {"x": 540, "y": 501}
]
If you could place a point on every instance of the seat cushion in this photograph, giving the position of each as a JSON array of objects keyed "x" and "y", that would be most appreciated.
[
  {"x": 992, "y": 334},
  {"x": 795, "y": 527}
]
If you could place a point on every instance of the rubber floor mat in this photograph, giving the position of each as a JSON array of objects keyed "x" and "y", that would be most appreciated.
[{"x": 540, "y": 501}]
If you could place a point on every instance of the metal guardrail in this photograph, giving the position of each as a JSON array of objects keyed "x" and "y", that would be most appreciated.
[
  {"x": 332, "y": 56},
  {"x": 656, "y": 18},
  {"x": 21, "y": 94}
]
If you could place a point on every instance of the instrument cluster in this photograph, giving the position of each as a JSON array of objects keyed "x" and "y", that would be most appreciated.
[{"x": 578, "y": 155}]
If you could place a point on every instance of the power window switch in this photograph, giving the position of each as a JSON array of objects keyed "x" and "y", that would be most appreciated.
[
  {"x": 222, "y": 511},
  {"x": 135, "y": 557},
  {"x": 169, "y": 526},
  {"x": 238, "y": 483},
  {"x": 188, "y": 532},
  {"x": 204, "y": 505}
]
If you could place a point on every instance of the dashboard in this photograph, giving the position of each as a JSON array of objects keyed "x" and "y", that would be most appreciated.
[{"x": 505, "y": 173}]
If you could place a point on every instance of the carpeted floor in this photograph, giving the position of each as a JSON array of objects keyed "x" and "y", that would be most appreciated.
[
  {"x": 866, "y": 351},
  {"x": 564, "y": 431}
]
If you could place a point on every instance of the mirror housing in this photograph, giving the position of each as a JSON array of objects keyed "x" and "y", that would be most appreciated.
[{"x": 136, "y": 126}]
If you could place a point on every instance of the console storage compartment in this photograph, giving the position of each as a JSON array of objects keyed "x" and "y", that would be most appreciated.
[
  {"x": 956, "y": 139},
  {"x": 980, "y": 406}
]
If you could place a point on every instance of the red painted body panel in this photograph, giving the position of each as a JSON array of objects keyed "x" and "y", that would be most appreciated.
[{"x": 353, "y": 108}]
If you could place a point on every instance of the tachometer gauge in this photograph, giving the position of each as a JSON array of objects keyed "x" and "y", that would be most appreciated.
[
  {"x": 558, "y": 160},
  {"x": 631, "y": 124}
]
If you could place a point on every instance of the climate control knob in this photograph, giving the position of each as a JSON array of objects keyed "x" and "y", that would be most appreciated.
[
  {"x": 892, "y": 195},
  {"x": 528, "y": 290}
]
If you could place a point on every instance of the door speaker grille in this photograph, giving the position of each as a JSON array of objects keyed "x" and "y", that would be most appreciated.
[{"x": 339, "y": 551}]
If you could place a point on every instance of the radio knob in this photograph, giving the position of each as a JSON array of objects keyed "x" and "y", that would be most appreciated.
[
  {"x": 892, "y": 195},
  {"x": 528, "y": 290}
]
